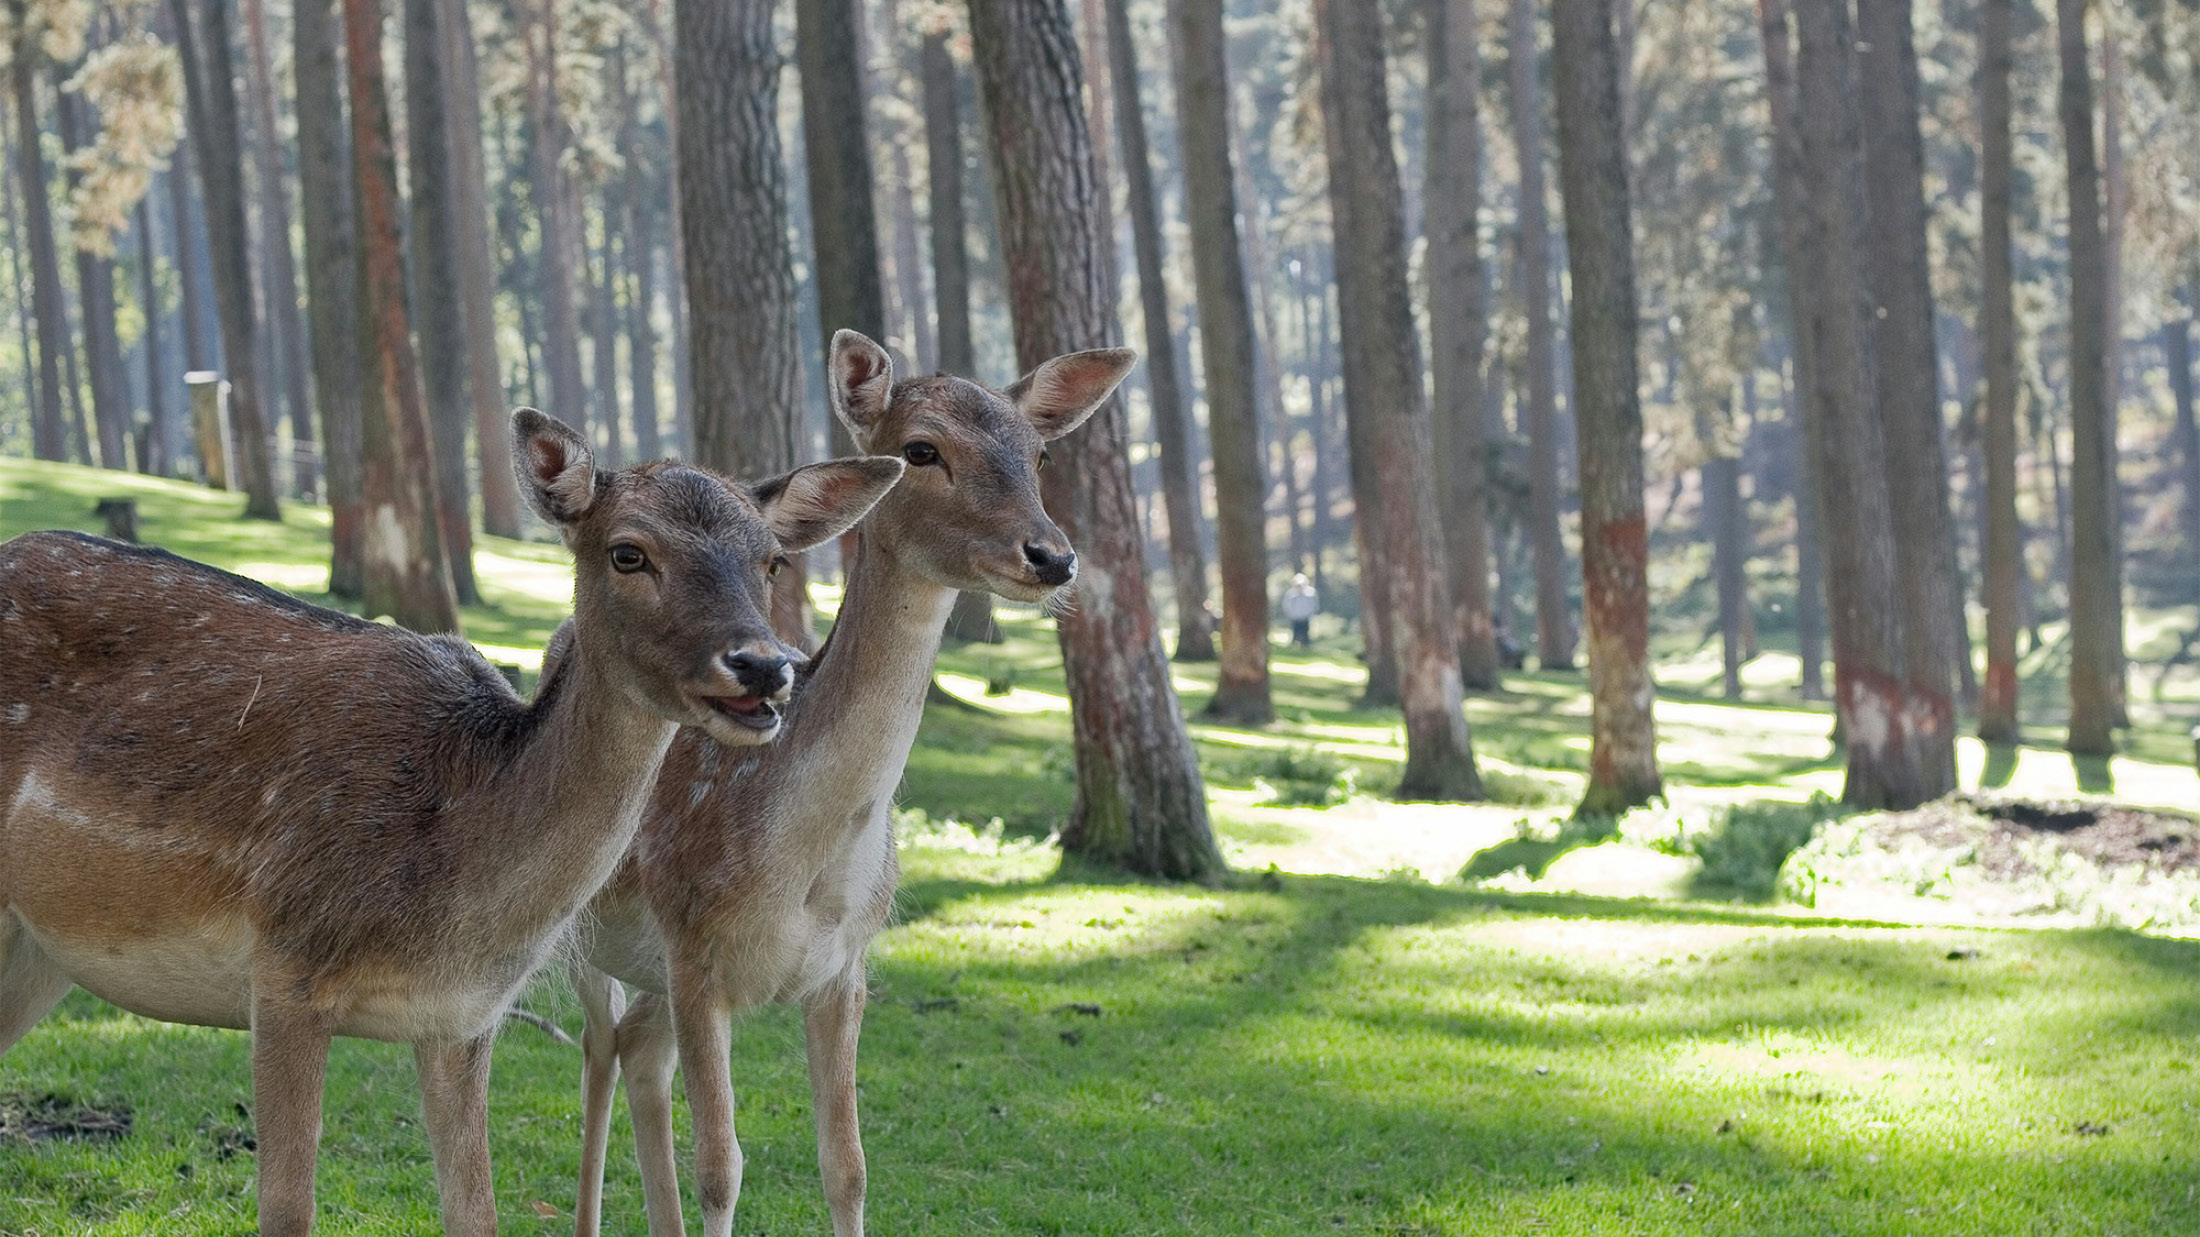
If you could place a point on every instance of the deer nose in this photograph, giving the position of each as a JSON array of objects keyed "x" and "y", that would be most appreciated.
[
  {"x": 762, "y": 674},
  {"x": 1050, "y": 566}
]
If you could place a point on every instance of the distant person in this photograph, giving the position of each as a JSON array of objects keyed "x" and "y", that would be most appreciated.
[{"x": 1300, "y": 604}]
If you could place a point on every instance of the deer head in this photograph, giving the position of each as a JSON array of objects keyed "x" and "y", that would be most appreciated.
[
  {"x": 672, "y": 570},
  {"x": 968, "y": 514}
]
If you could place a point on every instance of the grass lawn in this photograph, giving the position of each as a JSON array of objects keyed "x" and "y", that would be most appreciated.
[{"x": 1352, "y": 1041}]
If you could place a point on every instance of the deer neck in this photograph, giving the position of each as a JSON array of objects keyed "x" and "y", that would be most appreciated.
[{"x": 554, "y": 819}]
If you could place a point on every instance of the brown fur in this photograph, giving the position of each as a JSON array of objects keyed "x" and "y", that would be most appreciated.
[{"x": 761, "y": 875}]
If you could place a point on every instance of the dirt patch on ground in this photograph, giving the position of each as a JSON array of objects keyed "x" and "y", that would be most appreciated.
[
  {"x": 30, "y": 1119},
  {"x": 2109, "y": 834}
]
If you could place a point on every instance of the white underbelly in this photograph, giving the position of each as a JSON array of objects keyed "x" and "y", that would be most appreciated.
[{"x": 203, "y": 978}]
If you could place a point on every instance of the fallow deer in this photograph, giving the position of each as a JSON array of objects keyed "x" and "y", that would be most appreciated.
[
  {"x": 761, "y": 876},
  {"x": 223, "y": 806}
]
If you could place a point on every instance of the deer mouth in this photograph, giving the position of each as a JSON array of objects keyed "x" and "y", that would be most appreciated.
[{"x": 753, "y": 712}]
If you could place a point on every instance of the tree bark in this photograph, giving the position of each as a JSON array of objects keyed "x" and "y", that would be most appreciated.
[
  {"x": 1139, "y": 802},
  {"x": 2177, "y": 349},
  {"x": 1382, "y": 369},
  {"x": 1998, "y": 720},
  {"x": 95, "y": 290},
  {"x": 1554, "y": 643},
  {"x": 1458, "y": 312},
  {"x": 1226, "y": 342},
  {"x": 332, "y": 282},
  {"x": 558, "y": 212},
  {"x": 1908, "y": 389},
  {"x": 286, "y": 324},
  {"x": 210, "y": 83},
  {"x": 739, "y": 275},
  {"x": 407, "y": 573},
  {"x": 1172, "y": 422},
  {"x": 2096, "y": 575},
  {"x": 156, "y": 459},
  {"x": 500, "y": 511},
  {"x": 603, "y": 322},
  {"x": 1848, "y": 448},
  {"x": 638, "y": 214},
  {"x": 1615, "y": 546},
  {"x": 49, "y": 433},
  {"x": 1729, "y": 536},
  {"x": 836, "y": 142},
  {"x": 438, "y": 295}
]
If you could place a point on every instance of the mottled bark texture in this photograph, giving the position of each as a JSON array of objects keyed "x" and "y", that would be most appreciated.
[
  {"x": 1227, "y": 353},
  {"x": 1554, "y": 628},
  {"x": 407, "y": 573},
  {"x": 1998, "y": 720},
  {"x": 837, "y": 157},
  {"x": 1139, "y": 802},
  {"x": 1458, "y": 313},
  {"x": 2096, "y": 575},
  {"x": 210, "y": 85},
  {"x": 49, "y": 433},
  {"x": 438, "y": 300},
  {"x": 2177, "y": 348},
  {"x": 477, "y": 272},
  {"x": 739, "y": 274},
  {"x": 286, "y": 323},
  {"x": 1382, "y": 379},
  {"x": 1172, "y": 420},
  {"x": 1908, "y": 389},
  {"x": 1848, "y": 448},
  {"x": 332, "y": 279},
  {"x": 557, "y": 208},
  {"x": 1615, "y": 547}
]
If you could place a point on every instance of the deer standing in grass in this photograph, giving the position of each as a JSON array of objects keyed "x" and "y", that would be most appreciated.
[
  {"x": 761, "y": 876},
  {"x": 220, "y": 805}
]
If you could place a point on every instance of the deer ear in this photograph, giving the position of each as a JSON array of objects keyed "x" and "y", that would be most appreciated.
[
  {"x": 860, "y": 379},
  {"x": 818, "y": 502},
  {"x": 1061, "y": 393},
  {"x": 556, "y": 469}
]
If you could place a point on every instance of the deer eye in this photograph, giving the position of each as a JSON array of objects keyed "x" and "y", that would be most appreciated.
[
  {"x": 778, "y": 561},
  {"x": 920, "y": 454},
  {"x": 1046, "y": 457},
  {"x": 628, "y": 558}
]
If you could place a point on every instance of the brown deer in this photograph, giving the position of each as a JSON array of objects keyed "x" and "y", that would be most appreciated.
[
  {"x": 222, "y": 806},
  {"x": 761, "y": 876}
]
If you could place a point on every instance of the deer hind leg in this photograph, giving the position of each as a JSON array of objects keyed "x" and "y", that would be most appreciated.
[
  {"x": 649, "y": 1054},
  {"x": 289, "y": 1066},
  {"x": 454, "y": 1097},
  {"x": 832, "y": 1020},
  {"x": 30, "y": 984},
  {"x": 601, "y": 1000},
  {"x": 703, "y": 1015}
]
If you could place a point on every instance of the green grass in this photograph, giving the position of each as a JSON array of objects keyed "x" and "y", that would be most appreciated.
[{"x": 1313, "y": 1049}]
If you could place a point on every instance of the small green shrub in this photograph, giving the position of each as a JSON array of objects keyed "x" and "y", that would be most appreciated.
[
  {"x": 1743, "y": 851},
  {"x": 1302, "y": 777}
]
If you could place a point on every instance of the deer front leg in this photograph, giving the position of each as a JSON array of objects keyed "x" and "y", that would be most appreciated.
[
  {"x": 703, "y": 1018},
  {"x": 649, "y": 1054},
  {"x": 289, "y": 1064},
  {"x": 600, "y": 998},
  {"x": 454, "y": 1096},
  {"x": 831, "y": 1022}
]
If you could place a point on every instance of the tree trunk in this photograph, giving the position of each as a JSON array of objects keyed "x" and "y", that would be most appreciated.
[
  {"x": 210, "y": 83},
  {"x": 24, "y": 314},
  {"x": 438, "y": 298},
  {"x": 908, "y": 285},
  {"x": 1139, "y": 802},
  {"x": 1729, "y": 536},
  {"x": 1226, "y": 342},
  {"x": 1172, "y": 422},
  {"x": 638, "y": 221},
  {"x": 408, "y": 575},
  {"x": 558, "y": 211},
  {"x": 2116, "y": 204},
  {"x": 476, "y": 272},
  {"x": 739, "y": 275},
  {"x": 286, "y": 325},
  {"x": 1615, "y": 546},
  {"x": 332, "y": 282},
  {"x": 1908, "y": 389},
  {"x": 1458, "y": 312},
  {"x": 603, "y": 346},
  {"x": 1848, "y": 449},
  {"x": 49, "y": 433},
  {"x": 836, "y": 143},
  {"x": 1382, "y": 368},
  {"x": 156, "y": 459},
  {"x": 1554, "y": 631},
  {"x": 2096, "y": 575},
  {"x": 95, "y": 289},
  {"x": 1998, "y": 720},
  {"x": 2177, "y": 348}
]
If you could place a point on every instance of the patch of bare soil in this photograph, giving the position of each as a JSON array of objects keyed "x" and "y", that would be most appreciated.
[
  {"x": 31, "y": 1119},
  {"x": 2108, "y": 834}
]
